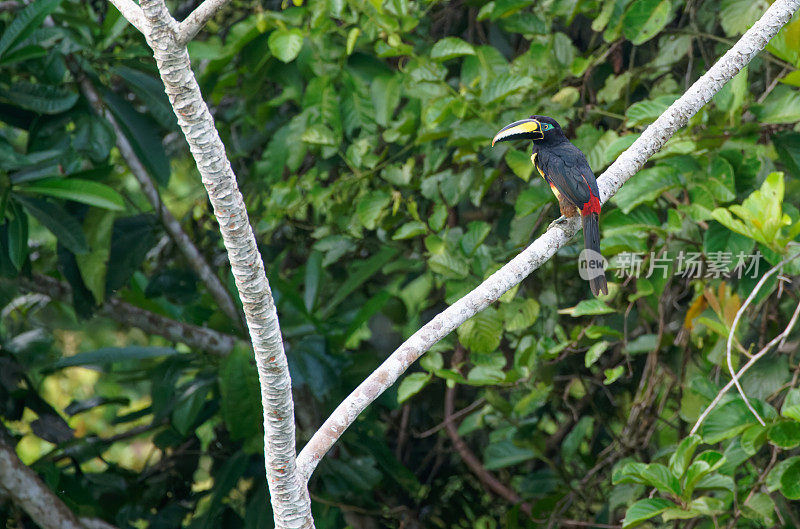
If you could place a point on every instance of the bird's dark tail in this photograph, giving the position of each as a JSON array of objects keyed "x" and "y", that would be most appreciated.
[{"x": 594, "y": 261}]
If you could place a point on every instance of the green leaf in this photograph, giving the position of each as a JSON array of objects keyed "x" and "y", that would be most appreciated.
[
  {"x": 41, "y": 98},
  {"x": 84, "y": 191},
  {"x": 726, "y": 421},
  {"x": 787, "y": 145},
  {"x": 371, "y": 207},
  {"x": 595, "y": 352},
  {"x": 732, "y": 95},
  {"x": 645, "y": 19},
  {"x": 715, "y": 481},
  {"x": 482, "y": 333},
  {"x": 753, "y": 438},
  {"x": 520, "y": 164},
  {"x": 285, "y": 44},
  {"x": 240, "y": 397},
  {"x": 520, "y": 314},
  {"x": 449, "y": 265},
  {"x": 149, "y": 90},
  {"x": 319, "y": 134},
  {"x": 785, "y": 434},
  {"x": 790, "y": 480},
  {"x": 449, "y": 48},
  {"x": 760, "y": 507},
  {"x": 645, "y": 112},
  {"x": 477, "y": 231},
  {"x": 736, "y": 16},
  {"x": 385, "y": 91},
  {"x": 645, "y": 187},
  {"x": 411, "y": 385},
  {"x": 588, "y": 307},
  {"x": 313, "y": 277},
  {"x": 438, "y": 217},
  {"x": 679, "y": 461},
  {"x": 352, "y": 38},
  {"x": 661, "y": 478},
  {"x": 359, "y": 275},
  {"x": 791, "y": 405},
  {"x": 532, "y": 199},
  {"x": 111, "y": 355},
  {"x": 504, "y": 454},
  {"x": 718, "y": 238},
  {"x": 18, "y": 237},
  {"x": 143, "y": 134},
  {"x": 93, "y": 266},
  {"x": 613, "y": 374},
  {"x": 409, "y": 230},
  {"x": 502, "y": 86},
  {"x": 572, "y": 441},
  {"x": 642, "y": 344},
  {"x": 760, "y": 217},
  {"x": 643, "y": 510},
  {"x": 190, "y": 403},
  {"x": 630, "y": 472},
  {"x": 782, "y": 105},
  {"x": 94, "y": 137},
  {"x": 23, "y": 53},
  {"x": 25, "y": 22},
  {"x": 56, "y": 219},
  {"x": 131, "y": 239}
]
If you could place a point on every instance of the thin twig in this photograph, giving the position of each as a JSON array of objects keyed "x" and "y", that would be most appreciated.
[
  {"x": 729, "y": 345},
  {"x": 192, "y": 24},
  {"x": 756, "y": 357},
  {"x": 457, "y": 415}
]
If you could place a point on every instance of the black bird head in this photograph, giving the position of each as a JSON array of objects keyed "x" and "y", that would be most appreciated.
[{"x": 540, "y": 129}]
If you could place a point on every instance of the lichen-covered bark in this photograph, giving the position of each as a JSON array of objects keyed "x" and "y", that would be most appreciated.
[
  {"x": 549, "y": 243},
  {"x": 289, "y": 495}
]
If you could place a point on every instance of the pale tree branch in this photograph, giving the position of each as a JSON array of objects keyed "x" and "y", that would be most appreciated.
[
  {"x": 735, "y": 376},
  {"x": 288, "y": 492},
  {"x": 27, "y": 490},
  {"x": 131, "y": 12},
  {"x": 192, "y": 24},
  {"x": 755, "y": 358},
  {"x": 543, "y": 248},
  {"x": 198, "y": 338}
]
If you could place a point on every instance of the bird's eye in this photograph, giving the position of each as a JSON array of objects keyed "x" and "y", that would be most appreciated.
[{"x": 547, "y": 126}]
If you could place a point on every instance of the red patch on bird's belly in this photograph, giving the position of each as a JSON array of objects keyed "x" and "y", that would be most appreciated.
[{"x": 593, "y": 206}]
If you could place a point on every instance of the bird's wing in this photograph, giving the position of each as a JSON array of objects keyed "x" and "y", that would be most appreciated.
[{"x": 567, "y": 169}]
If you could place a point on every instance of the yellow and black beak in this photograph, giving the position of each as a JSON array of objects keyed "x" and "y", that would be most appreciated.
[{"x": 524, "y": 129}]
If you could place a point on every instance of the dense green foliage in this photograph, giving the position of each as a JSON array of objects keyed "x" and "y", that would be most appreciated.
[{"x": 360, "y": 134}]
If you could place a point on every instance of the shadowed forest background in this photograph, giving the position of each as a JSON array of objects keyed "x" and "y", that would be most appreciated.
[{"x": 360, "y": 133}]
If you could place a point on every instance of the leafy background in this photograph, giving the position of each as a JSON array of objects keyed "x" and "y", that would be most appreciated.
[{"x": 360, "y": 134}]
